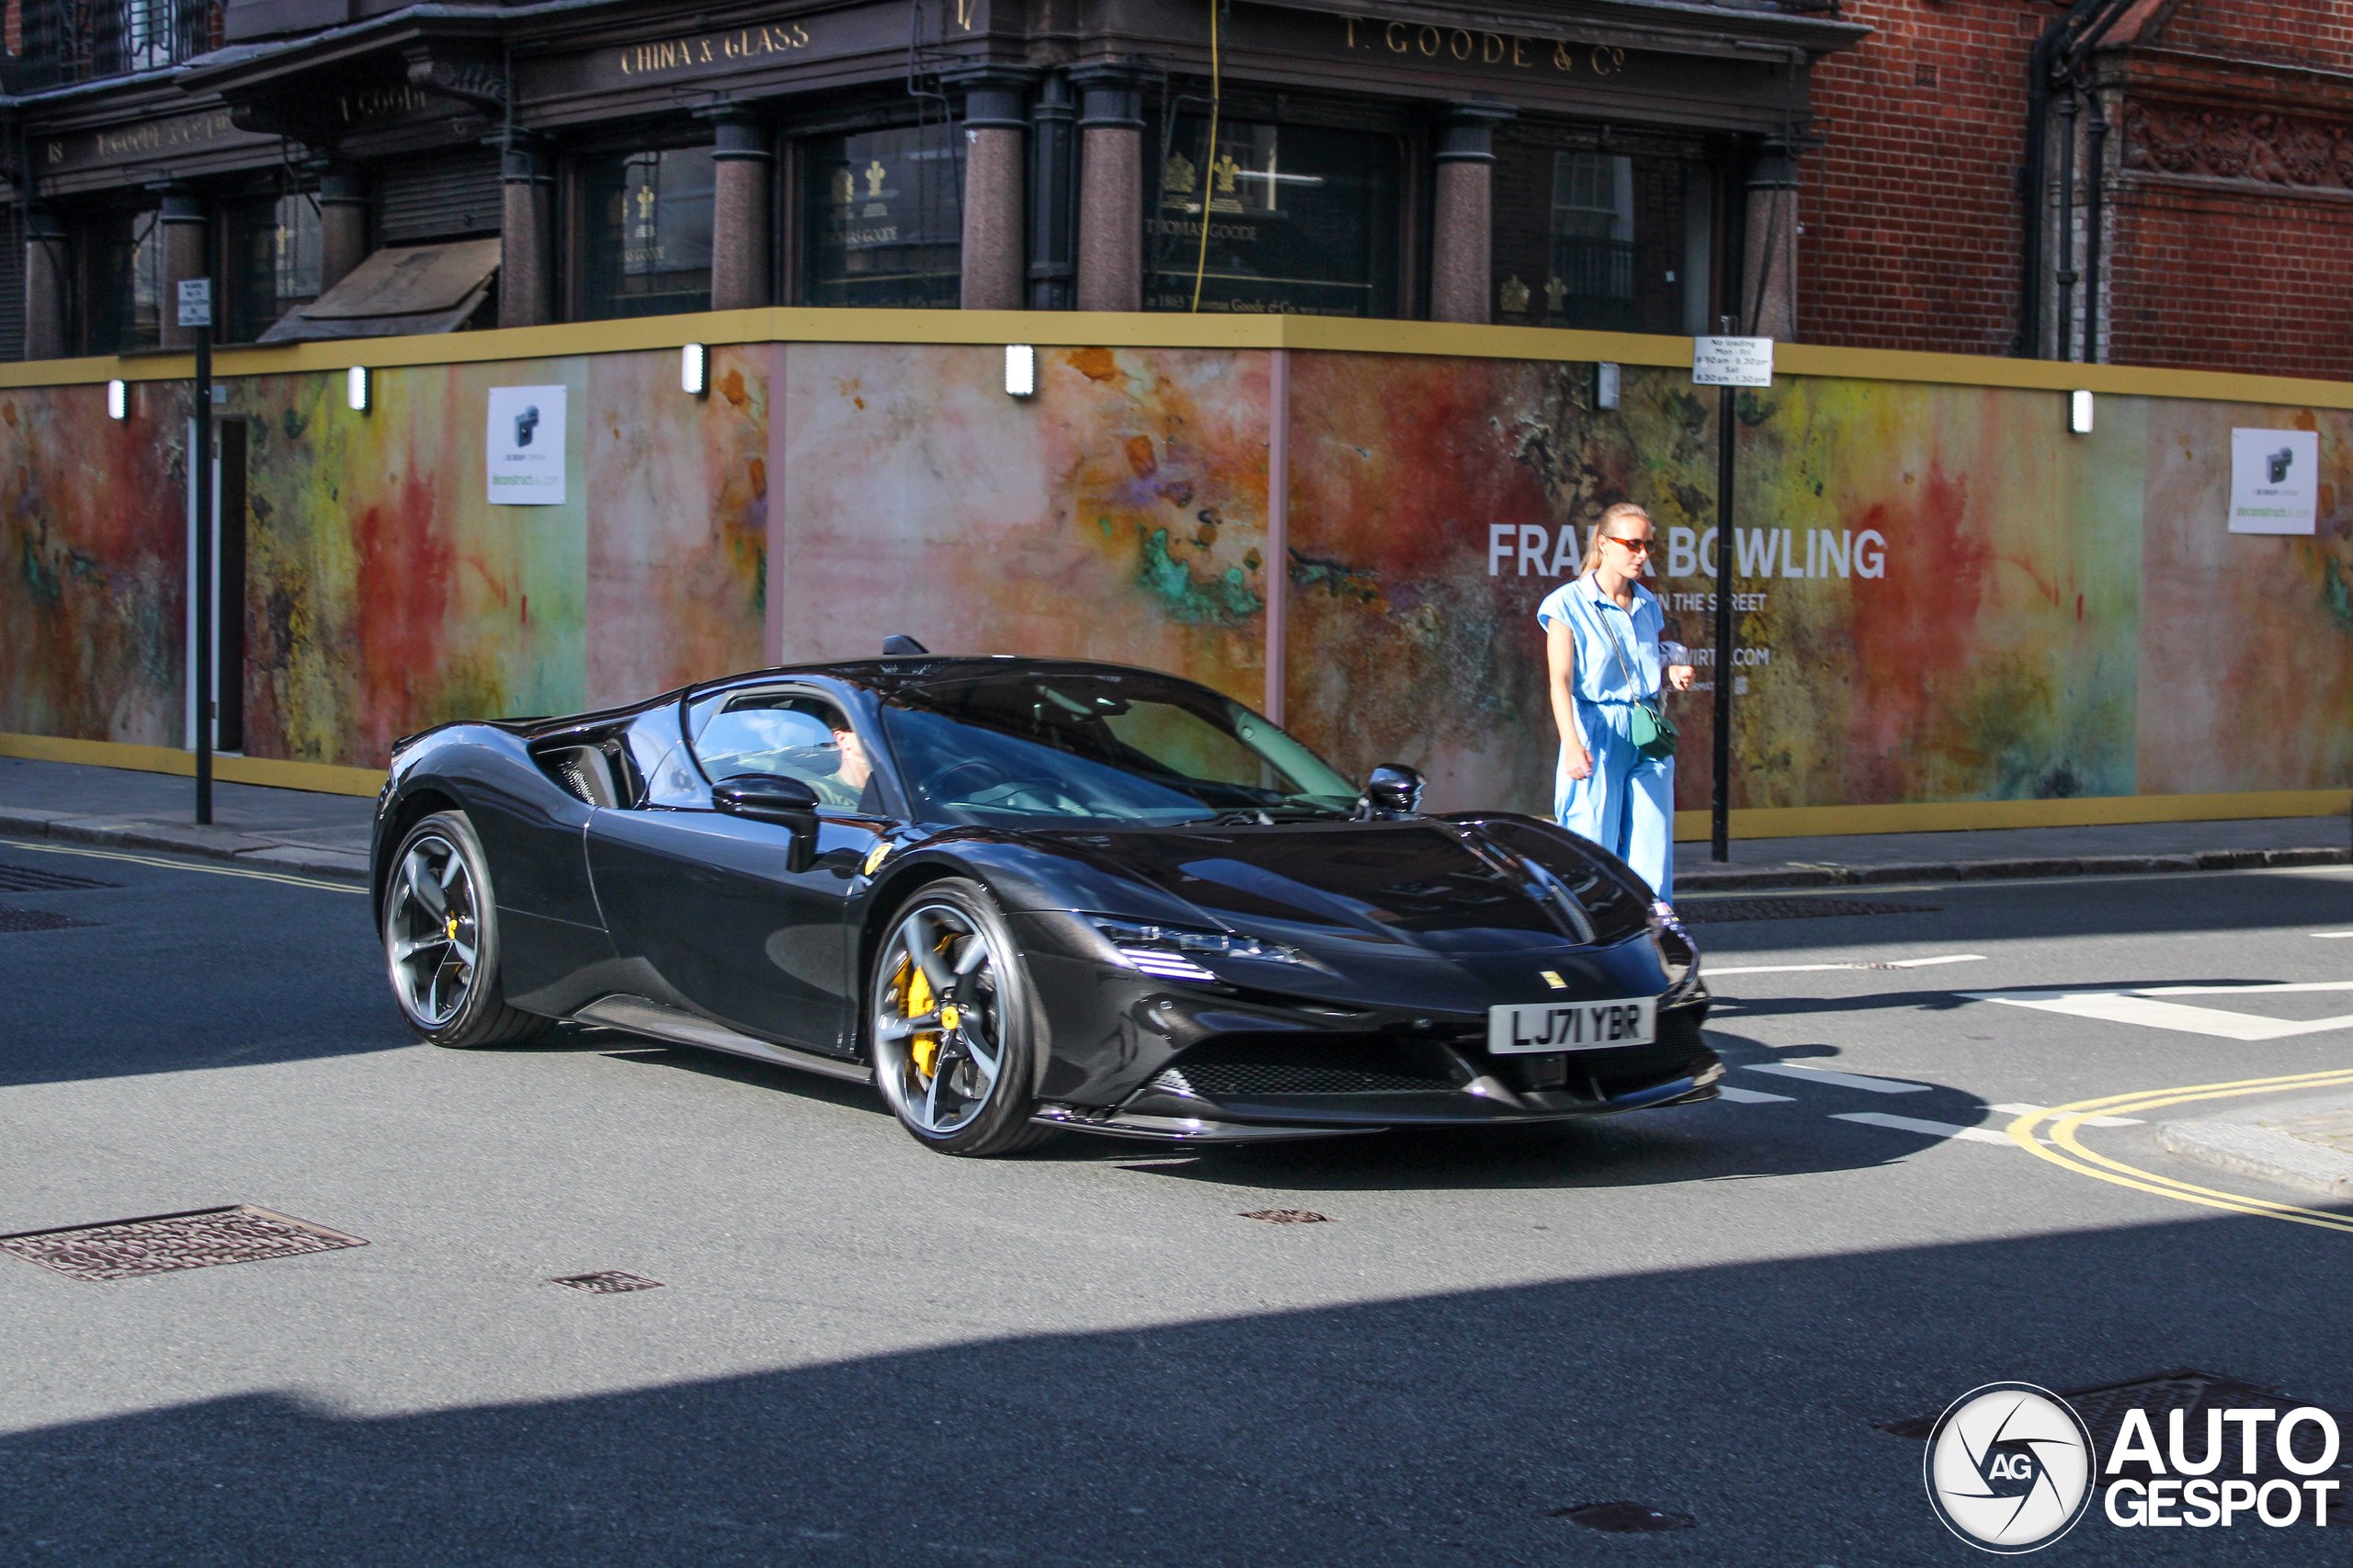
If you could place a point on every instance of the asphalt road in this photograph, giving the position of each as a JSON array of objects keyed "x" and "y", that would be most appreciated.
[{"x": 862, "y": 1353}]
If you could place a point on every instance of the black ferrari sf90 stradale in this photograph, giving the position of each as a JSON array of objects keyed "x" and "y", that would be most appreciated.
[{"x": 1028, "y": 895}]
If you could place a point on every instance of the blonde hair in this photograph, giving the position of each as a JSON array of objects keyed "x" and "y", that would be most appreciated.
[{"x": 1610, "y": 515}]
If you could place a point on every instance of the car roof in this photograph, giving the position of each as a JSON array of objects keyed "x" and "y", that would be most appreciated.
[{"x": 891, "y": 673}]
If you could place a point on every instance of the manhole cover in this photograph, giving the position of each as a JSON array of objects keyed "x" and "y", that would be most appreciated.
[
  {"x": 32, "y": 879},
  {"x": 1289, "y": 1216},
  {"x": 2103, "y": 1409},
  {"x": 1624, "y": 1519},
  {"x": 1719, "y": 909},
  {"x": 123, "y": 1249},
  {"x": 14, "y": 919},
  {"x": 607, "y": 1283}
]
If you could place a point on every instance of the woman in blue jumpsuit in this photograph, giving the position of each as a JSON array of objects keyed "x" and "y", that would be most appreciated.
[{"x": 1603, "y": 632}]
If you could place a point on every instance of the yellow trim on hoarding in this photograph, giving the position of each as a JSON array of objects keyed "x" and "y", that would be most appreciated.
[
  {"x": 320, "y": 777},
  {"x": 1780, "y": 822},
  {"x": 1154, "y": 330},
  {"x": 1961, "y": 816}
]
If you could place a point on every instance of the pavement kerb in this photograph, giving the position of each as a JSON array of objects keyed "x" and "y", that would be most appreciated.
[
  {"x": 183, "y": 838},
  {"x": 2251, "y": 1143},
  {"x": 220, "y": 844},
  {"x": 1774, "y": 877}
]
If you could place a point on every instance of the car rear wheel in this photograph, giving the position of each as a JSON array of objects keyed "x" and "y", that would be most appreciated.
[
  {"x": 953, "y": 1025},
  {"x": 441, "y": 940}
]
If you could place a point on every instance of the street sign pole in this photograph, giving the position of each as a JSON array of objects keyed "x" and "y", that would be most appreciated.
[
  {"x": 1720, "y": 796},
  {"x": 1726, "y": 363},
  {"x": 196, "y": 310}
]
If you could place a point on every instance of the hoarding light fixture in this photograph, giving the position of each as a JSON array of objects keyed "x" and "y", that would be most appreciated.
[
  {"x": 355, "y": 389},
  {"x": 2079, "y": 413},
  {"x": 1020, "y": 370},
  {"x": 694, "y": 369},
  {"x": 118, "y": 399},
  {"x": 1605, "y": 385}
]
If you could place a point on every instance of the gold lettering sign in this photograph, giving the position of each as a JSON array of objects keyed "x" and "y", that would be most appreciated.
[
  {"x": 380, "y": 103},
  {"x": 154, "y": 136},
  {"x": 665, "y": 55},
  {"x": 1509, "y": 51}
]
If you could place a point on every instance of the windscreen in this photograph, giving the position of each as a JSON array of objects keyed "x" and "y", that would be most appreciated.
[{"x": 1036, "y": 749}]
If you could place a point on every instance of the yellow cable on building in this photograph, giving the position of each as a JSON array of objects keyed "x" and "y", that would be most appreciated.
[{"x": 1209, "y": 163}]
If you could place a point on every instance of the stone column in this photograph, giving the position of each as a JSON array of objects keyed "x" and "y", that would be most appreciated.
[
  {"x": 1111, "y": 186},
  {"x": 995, "y": 124},
  {"x": 744, "y": 160},
  {"x": 1463, "y": 213},
  {"x": 343, "y": 223},
  {"x": 49, "y": 257},
  {"x": 183, "y": 226},
  {"x": 1768, "y": 284},
  {"x": 1051, "y": 221},
  {"x": 527, "y": 252}
]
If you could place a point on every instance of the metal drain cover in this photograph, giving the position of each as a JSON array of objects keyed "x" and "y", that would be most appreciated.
[
  {"x": 1624, "y": 1519},
  {"x": 1288, "y": 1216},
  {"x": 159, "y": 1243},
  {"x": 1713, "y": 910},
  {"x": 14, "y": 919},
  {"x": 2192, "y": 1392},
  {"x": 607, "y": 1283},
  {"x": 32, "y": 879}
]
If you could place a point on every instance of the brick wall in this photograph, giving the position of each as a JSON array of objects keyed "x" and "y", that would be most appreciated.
[{"x": 2227, "y": 246}]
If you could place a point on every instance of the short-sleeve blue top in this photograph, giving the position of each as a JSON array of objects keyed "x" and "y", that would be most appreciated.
[{"x": 1618, "y": 652}]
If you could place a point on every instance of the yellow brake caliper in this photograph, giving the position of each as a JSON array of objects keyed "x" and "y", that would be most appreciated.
[{"x": 916, "y": 997}]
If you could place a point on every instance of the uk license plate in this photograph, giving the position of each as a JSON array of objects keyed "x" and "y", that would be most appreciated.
[{"x": 1571, "y": 1026}]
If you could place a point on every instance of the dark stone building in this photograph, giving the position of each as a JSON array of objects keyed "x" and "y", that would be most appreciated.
[{"x": 354, "y": 167}]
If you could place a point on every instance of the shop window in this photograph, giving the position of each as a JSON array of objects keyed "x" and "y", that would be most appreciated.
[
  {"x": 124, "y": 281},
  {"x": 1600, "y": 240},
  {"x": 884, "y": 216},
  {"x": 647, "y": 238},
  {"x": 273, "y": 261},
  {"x": 1301, "y": 220}
]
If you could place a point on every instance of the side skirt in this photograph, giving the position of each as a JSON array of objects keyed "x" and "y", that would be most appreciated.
[{"x": 639, "y": 1015}]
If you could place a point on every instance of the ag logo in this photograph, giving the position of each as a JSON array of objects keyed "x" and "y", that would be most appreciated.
[{"x": 2010, "y": 1468}]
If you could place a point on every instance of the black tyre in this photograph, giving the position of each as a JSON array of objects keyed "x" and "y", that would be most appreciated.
[
  {"x": 441, "y": 940},
  {"x": 952, "y": 1024}
]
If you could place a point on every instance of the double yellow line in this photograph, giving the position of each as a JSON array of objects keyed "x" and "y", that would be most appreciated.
[{"x": 2065, "y": 1120}]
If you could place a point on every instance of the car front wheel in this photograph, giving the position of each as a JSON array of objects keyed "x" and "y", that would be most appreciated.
[{"x": 951, "y": 1024}]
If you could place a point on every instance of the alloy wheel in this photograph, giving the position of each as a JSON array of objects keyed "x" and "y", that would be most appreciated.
[
  {"x": 433, "y": 934},
  {"x": 938, "y": 1045}
]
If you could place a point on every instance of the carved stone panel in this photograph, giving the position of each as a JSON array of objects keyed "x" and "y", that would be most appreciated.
[{"x": 2218, "y": 143}]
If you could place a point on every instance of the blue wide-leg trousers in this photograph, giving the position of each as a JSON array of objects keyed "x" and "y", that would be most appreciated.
[{"x": 1627, "y": 803}]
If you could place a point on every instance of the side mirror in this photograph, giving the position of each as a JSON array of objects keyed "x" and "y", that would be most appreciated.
[
  {"x": 1393, "y": 789},
  {"x": 766, "y": 797}
]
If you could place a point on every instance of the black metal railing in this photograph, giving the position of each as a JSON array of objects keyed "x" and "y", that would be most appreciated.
[{"x": 67, "y": 41}]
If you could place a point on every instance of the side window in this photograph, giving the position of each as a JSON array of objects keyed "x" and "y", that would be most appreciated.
[
  {"x": 662, "y": 761},
  {"x": 790, "y": 734}
]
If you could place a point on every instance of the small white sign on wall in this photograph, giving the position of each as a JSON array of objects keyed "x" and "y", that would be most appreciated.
[
  {"x": 526, "y": 447},
  {"x": 2275, "y": 481},
  {"x": 1732, "y": 361}
]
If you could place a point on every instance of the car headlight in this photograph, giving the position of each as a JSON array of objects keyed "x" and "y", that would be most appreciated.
[
  {"x": 1174, "y": 952},
  {"x": 1678, "y": 953}
]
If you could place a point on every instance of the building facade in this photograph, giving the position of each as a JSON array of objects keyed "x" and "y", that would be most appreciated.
[{"x": 1612, "y": 164}]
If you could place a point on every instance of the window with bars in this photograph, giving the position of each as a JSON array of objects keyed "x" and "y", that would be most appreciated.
[{"x": 62, "y": 42}]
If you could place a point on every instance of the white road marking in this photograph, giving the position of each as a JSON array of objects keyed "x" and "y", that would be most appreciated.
[
  {"x": 2088, "y": 1121},
  {"x": 232, "y": 871},
  {"x": 1816, "y": 967},
  {"x": 1748, "y": 1096},
  {"x": 2140, "y": 1005},
  {"x": 2325, "y": 935},
  {"x": 1841, "y": 1080},
  {"x": 1927, "y": 1129}
]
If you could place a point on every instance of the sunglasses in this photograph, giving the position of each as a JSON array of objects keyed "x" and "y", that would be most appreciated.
[{"x": 1633, "y": 546}]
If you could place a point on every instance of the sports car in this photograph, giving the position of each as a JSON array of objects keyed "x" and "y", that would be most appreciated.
[{"x": 1019, "y": 895}]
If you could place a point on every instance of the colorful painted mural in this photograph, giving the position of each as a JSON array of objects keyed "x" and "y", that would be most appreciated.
[
  {"x": 1942, "y": 595},
  {"x": 1938, "y": 591}
]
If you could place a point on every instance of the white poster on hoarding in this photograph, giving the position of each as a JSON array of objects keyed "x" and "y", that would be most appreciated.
[
  {"x": 526, "y": 447},
  {"x": 2275, "y": 481}
]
